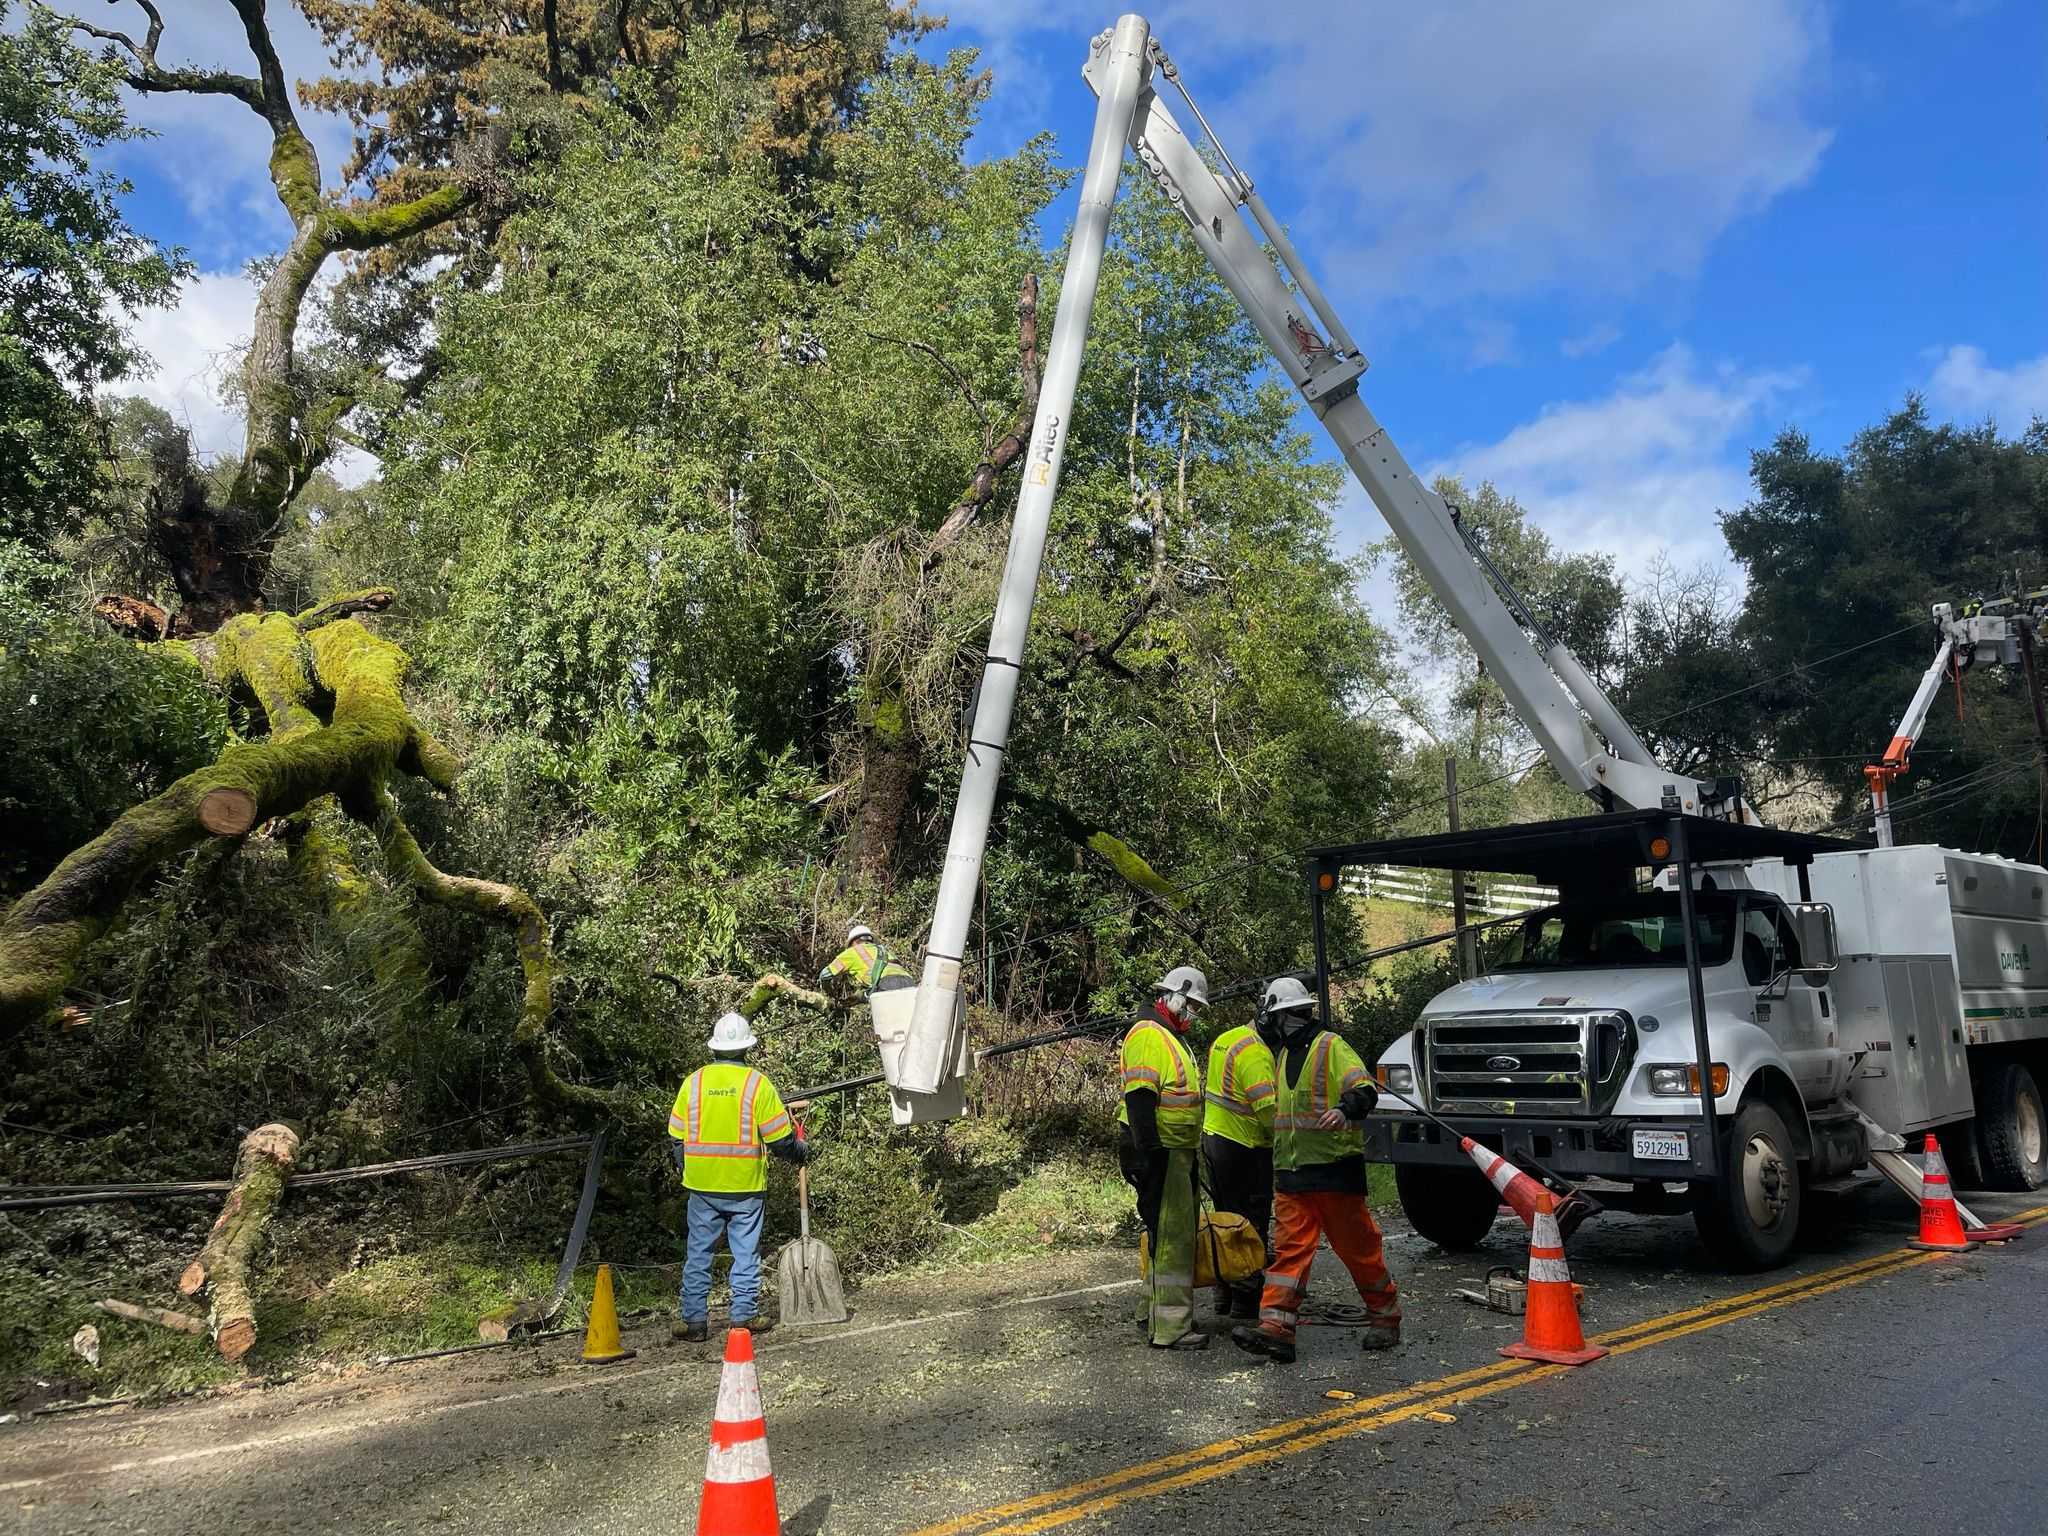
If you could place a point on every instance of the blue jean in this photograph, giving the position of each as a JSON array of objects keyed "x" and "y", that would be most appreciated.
[{"x": 738, "y": 1217}]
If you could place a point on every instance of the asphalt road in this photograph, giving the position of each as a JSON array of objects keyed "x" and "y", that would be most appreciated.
[{"x": 1866, "y": 1388}]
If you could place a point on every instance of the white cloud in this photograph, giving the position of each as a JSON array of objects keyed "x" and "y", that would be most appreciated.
[
  {"x": 196, "y": 347},
  {"x": 1586, "y": 343},
  {"x": 1465, "y": 146},
  {"x": 1966, "y": 383},
  {"x": 1642, "y": 469}
]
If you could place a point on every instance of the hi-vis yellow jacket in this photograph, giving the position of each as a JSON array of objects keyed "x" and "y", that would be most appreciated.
[
  {"x": 725, "y": 1116},
  {"x": 1155, "y": 1060},
  {"x": 1238, "y": 1095},
  {"x": 1332, "y": 1067},
  {"x": 858, "y": 960}
]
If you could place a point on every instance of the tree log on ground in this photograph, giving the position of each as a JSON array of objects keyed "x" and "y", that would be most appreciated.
[{"x": 222, "y": 1268}]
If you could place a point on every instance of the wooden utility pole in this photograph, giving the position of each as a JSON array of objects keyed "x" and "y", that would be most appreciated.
[{"x": 1468, "y": 942}]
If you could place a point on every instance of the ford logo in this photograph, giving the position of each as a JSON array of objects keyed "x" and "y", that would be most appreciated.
[{"x": 1503, "y": 1063}]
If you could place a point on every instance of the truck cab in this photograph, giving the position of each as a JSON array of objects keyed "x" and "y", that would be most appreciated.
[{"x": 1577, "y": 1048}]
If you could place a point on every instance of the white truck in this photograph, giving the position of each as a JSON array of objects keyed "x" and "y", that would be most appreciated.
[{"x": 1582, "y": 1050}]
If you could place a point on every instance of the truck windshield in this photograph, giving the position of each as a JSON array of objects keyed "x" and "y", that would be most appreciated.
[{"x": 1644, "y": 929}]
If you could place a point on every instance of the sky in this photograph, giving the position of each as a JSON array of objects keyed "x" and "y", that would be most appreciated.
[{"x": 1595, "y": 253}]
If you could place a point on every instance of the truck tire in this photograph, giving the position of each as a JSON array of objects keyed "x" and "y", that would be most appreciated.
[
  {"x": 1749, "y": 1218},
  {"x": 2013, "y": 1128},
  {"x": 1452, "y": 1207}
]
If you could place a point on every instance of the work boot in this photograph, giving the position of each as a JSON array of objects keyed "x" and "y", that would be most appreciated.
[
  {"x": 685, "y": 1332},
  {"x": 1245, "y": 1307},
  {"x": 1194, "y": 1338},
  {"x": 1259, "y": 1342},
  {"x": 756, "y": 1325},
  {"x": 1378, "y": 1336}
]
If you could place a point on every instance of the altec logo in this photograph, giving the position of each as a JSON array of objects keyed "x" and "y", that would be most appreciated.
[{"x": 2014, "y": 959}]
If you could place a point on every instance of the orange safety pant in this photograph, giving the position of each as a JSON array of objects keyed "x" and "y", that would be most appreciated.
[{"x": 1298, "y": 1222}]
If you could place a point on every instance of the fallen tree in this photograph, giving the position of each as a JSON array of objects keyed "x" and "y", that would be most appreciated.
[{"x": 331, "y": 693}]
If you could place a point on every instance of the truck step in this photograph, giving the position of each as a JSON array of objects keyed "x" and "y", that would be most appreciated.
[{"x": 1863, "y": 1178}]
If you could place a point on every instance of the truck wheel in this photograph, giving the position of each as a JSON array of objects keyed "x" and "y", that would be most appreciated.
[
  {"x": 2013, "y": 1127},
  {"x": 1452, "y": 1207},
  {"x": 1750, "y": 1217}
]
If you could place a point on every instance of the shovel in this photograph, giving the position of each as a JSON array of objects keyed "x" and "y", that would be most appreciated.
[{"x": 807, "y": 1281}]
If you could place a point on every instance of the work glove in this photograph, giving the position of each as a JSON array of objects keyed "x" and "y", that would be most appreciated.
[
  {"x": 675, "y": 1153},
  {"x": 1358, "y": 1101}
]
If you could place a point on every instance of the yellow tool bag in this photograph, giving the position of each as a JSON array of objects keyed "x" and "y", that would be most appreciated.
[{"x": 1227, "y": 1249}]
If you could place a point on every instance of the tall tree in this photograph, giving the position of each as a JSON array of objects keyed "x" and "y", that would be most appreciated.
[
  {"x": 1577, "y": 598},
  {"x": 71, "y": 272},
  {"x": 218, "y": 547}
]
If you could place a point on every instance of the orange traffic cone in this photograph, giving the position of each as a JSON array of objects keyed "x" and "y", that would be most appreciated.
[
  {"x": 1550, "y": 1326},
  {"x": 1517, "y": 1189},
  {"x": 601, "y": 1342},
  {"x": 739, "y": 1487},
  {"x": 1941, "y": 1228}
]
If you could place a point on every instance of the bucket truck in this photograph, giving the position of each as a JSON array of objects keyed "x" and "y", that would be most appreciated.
[
  {"x": 922, "y": 1035},
  {"x": 1706, "y": 1041}
]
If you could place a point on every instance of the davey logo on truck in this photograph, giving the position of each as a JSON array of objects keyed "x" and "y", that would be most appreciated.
[
  {"x": 1503, "y": 1063},
  {"x": 2014, "y": 959}
]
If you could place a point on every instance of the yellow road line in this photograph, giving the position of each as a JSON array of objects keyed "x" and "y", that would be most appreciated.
[{"x": 1226, "y": 1457}]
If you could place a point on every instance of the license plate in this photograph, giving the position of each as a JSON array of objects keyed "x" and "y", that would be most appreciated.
[{"x": 1662, "y": 1146}]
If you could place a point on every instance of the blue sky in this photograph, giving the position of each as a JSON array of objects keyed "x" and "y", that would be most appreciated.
[{"x": 1596, "y": 253}]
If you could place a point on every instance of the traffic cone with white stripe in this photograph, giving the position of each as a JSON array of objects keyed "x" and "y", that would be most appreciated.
[
  {"x": 1550, "y": 1325},
  {"x": 739, "y": 1487},
  {"x": 1517, "y": 1189},
  {"x": 1941, "y": 1227}
]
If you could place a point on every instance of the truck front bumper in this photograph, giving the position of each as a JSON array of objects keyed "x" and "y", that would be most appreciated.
[{"x": 1590, "y": 1148}]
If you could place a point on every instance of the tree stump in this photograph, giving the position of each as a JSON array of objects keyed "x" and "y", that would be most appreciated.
[{"x": 222, "y": 1268}]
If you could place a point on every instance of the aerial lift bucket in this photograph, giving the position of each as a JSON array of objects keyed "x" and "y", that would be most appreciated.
[{"x": 891, "y": 1013}]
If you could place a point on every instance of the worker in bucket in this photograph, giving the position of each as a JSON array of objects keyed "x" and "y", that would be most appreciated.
[
  {"x": 726, "y": 1119},
  {"x": 1161, "y": 1121},
  {"x": 1237, "y": 1147},
  {"x": 865, "y": 963},
  {"x": 1322, "y": 1094}
]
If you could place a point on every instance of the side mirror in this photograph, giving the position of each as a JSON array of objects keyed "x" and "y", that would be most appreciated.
[{"x": 1814, "y": 923}]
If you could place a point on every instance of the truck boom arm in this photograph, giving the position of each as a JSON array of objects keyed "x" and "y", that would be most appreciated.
[{"x": 1551, "y": 692}]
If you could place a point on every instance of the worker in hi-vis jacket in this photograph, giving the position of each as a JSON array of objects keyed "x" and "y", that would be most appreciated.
[
  {"x": 866, "y": 964},
  {"x": 1161, "y": 1118}
]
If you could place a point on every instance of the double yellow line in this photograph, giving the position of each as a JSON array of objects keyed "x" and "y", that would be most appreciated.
[{"x": 1224, "y": 1458}]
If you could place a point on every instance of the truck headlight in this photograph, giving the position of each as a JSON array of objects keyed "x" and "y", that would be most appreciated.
[
  {"x": 1684, "y": 1081},
  {"x": 1398, "y": 1079}
]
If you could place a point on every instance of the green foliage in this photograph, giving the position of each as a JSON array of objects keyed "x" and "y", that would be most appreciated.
[
  {"x": 70, "y": 271},
  {"x": 93, "y": 724}
]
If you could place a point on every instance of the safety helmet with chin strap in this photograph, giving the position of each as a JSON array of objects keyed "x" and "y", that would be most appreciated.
[
  {"x": 1183, "y": 983},
  {"x": 1286, "y": 994}
]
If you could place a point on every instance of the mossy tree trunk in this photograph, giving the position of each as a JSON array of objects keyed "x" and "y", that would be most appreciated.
[
  {"x": 262, "y": 1165},
  {"x": 219, "y": 551}
]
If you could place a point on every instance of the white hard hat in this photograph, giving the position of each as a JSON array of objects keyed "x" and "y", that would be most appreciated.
[
  {"x": 1284, "y": 994},
  {"x": 732, "y": 1032},
  {"x": 1187, "y": 981},
  {"x": 859, "y": 931}
]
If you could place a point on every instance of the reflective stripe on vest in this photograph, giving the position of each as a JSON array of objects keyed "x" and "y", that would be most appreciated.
[
  {"x": 1179, "y": 1094},
  {"x": 694, "y": 1144},
  {"x": 1239, "y": 1090},
  {"x": 1298, "y": 1141}
]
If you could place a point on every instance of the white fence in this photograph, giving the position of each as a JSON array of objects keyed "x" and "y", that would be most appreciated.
[{"x": 1432, "y": 888}]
